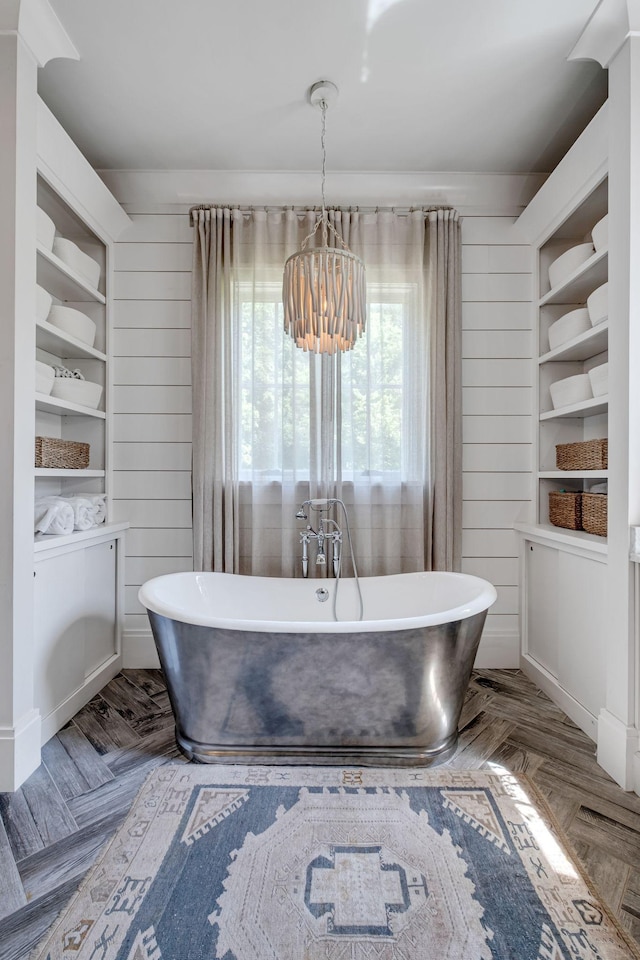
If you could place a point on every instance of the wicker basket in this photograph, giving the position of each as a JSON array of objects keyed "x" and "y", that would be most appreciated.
[
  {"x": 61, "y": 454},
  {"x": 594, "y": 513},
  {"x": 586, "y": 455},
  {"x": 565, "y": 510}
]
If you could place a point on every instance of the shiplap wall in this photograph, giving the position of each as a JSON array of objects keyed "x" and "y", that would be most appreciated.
[
  {"x": 152, "y": 455},
  {"x": 497, "y": 401}
]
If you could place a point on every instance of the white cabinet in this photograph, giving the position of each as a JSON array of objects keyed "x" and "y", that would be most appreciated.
[
  {"x": 565, "y": 626},
  {"x": 541, "y": 615},
  {"x": 99, "y": 615},
  {"x": 77, "y": 625},
  {"x": 58, "y": 595},
  {"x": 78, "y": 582},
  {"x": 582, "y": 629},
  {"x": 564, "y": 571}
]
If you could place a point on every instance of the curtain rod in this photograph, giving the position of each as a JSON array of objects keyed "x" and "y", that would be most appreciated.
[{"x": 249, "y": 208}]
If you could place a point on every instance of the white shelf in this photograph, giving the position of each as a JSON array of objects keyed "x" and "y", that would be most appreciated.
[
  {"x": 63, "y": 345},
  {"x": 59, "y": 472},
  {"x": 65, "y": 408},
  {"x": 588, "y": 344},
  {"x": 63, "y": 282},
  {"x": 547, "y": 532},
  {"x": 582, "y": 282},
  {"x": 48, "y": 541},
  {"x": 573, "y": 475},
  {"x": 587, "y": 408}
]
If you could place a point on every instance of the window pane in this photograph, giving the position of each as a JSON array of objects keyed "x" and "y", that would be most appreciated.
[{"x": 280, "y": 418}]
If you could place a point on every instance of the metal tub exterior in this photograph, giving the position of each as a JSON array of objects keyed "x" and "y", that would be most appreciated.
[{"x": 363, "y": 697}]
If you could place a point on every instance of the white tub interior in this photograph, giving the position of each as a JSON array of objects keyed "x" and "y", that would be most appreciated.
[{"x": 395, "y": 602}]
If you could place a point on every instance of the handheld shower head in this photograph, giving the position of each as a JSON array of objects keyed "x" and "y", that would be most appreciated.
[{"x": 301, "y": 515}]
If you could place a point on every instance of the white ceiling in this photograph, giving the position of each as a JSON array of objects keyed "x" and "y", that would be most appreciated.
[{"x": 440, "y": 85}]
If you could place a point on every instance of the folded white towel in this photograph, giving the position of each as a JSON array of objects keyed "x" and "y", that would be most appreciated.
[
  {"x": 88, "y": 505},
  {"x": 53, "y": 516},
  {"x": 99, "y": 502},
  {"x": 598, "y": 488},
  {"x": 83, "y": 512}
]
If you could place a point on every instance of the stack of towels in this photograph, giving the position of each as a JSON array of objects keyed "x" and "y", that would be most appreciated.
[{"x": 63, "y": 515}]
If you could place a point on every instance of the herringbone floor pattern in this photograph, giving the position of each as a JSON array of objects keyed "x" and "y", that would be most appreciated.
[{"x": 52, "y": 829}]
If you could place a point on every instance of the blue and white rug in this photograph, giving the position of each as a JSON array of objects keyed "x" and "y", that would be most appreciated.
[{"x": 328, "y": 863}]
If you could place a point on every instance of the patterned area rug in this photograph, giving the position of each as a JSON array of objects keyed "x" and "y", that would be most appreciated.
[{"x": 313, "y": 863}]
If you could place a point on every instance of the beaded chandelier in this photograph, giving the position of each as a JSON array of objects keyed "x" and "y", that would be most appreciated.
[{"x": 324, "y": 288}]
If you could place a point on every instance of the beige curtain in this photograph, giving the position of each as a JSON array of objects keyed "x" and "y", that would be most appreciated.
[
  {"x": 444, "y": 312},
  {"x": 214, "y": 471},
  {"x": 378, "y": 426}
]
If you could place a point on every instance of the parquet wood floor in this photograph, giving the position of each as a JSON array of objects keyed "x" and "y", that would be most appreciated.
[{"x": 53, "y": 828}]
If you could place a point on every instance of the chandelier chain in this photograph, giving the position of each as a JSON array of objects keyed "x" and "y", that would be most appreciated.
[{"x": 323, "y": 107}]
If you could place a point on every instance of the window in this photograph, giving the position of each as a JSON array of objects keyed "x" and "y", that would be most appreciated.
[{"x": 289, "y": 399}]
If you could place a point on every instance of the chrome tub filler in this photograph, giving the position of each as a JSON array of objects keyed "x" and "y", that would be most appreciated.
[{"x": 259, "y": 670}]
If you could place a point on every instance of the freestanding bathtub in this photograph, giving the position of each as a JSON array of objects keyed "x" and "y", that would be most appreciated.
[{"x": 258, "y": 670}]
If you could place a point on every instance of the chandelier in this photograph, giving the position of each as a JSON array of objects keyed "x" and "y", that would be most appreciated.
[{"x": 324, "y": 288}]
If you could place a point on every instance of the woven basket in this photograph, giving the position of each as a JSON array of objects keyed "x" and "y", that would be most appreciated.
[
  {"x": 565, "y": 510},
  {"x": 594, "y": 513},
  {"x": 585, "y": 455},
  {"x": 61, "y": 454}
]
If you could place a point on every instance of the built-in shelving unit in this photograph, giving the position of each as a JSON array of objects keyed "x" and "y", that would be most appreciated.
[
  {"x": 63, "y": 418},
  {"x": 564, "y": 587},
  {"x": 587, "y": 419},
  {"x": 77, "y": 577}
]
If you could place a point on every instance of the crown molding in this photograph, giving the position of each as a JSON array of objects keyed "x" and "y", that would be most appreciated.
[
  {"x": 39, "y": 28},
  {"x": 478, "y": 193},
  {"x": 610, "y": 25}
]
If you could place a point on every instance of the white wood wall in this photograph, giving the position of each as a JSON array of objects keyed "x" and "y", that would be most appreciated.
[
  {"x": 152, "y": 396},
  {"x": 152, "y": 482},
  {"x": 497, "y": 401}
]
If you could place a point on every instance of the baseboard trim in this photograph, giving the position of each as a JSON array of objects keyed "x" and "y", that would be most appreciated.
[
  {"x": 19, "y": 751},
  {"x": 618, "y": 749},
  {"x": 498, "y": 650},
  {"x": 139, "y": 650},
  {"x": 548, "y": 683},
  {"x": 55, "y": 720}
]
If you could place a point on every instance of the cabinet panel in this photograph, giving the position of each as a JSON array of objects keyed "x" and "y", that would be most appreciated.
[
  {"x": 58, "y": 629},
  {"x": 582, "y": 630},
  {"x": 75, "y": 611},
  {"x": 542, "y": 605},
  {"x": 100, "y": 605}
]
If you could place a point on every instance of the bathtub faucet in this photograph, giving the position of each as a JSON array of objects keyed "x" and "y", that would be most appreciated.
[{"x": 322, "y": 536}]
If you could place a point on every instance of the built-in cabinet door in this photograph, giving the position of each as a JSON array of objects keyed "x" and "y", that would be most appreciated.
[
  {"x": 582, "y": 629},
  {"x": 58, "y": 629},
  {"x": 100, "y": 623},
  {"x": 542, "y": 605},
  {"x": 566, "y": 620},
  {"x": 75, "y": 620}
]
